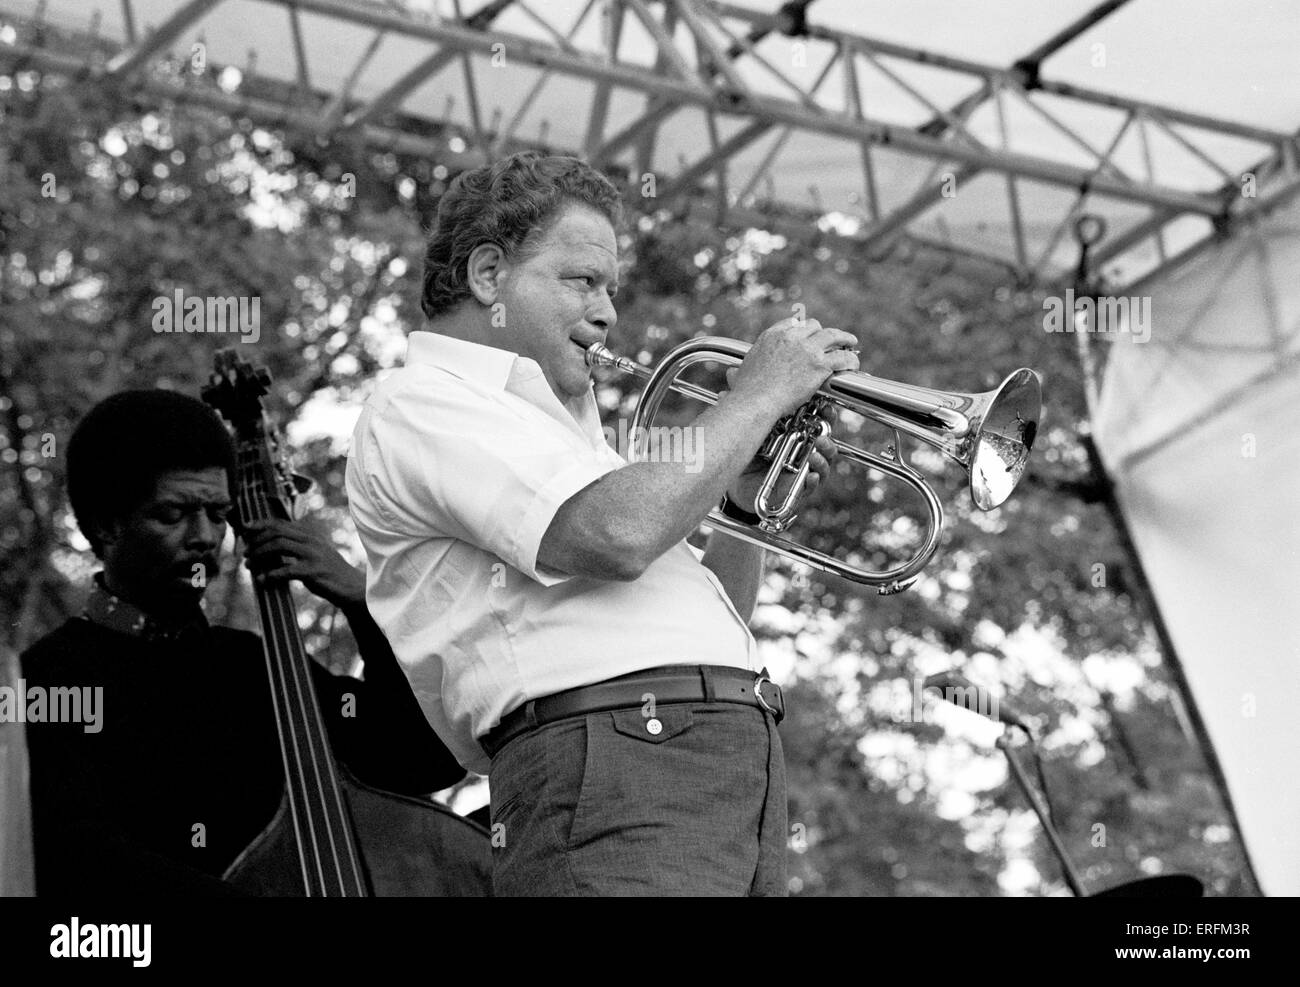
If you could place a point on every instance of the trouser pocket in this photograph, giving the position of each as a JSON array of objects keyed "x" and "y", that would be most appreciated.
[{"x": 630, "y": 770}]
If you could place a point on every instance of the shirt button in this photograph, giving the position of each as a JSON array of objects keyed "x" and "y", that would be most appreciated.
[{"x": 654, "y": 727}]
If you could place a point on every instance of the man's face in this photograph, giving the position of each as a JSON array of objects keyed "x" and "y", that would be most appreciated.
[
  {"x": 559, "y": 300},
  {"x": 150, "y": 556}
]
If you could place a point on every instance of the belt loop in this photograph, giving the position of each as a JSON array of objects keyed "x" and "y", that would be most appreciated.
[
  {"x": 710, "y": 691},
  {"x": 530, "y": 714}
]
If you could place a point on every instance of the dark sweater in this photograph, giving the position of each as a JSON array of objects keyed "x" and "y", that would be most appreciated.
[{"x": 188, "y": 740}]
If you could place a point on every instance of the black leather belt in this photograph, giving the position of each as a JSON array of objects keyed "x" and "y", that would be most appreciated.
[{"x": 667, "y": 684}]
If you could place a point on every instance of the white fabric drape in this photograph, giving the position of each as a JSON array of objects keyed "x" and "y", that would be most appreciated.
[{"x": 1198, "y": 427}]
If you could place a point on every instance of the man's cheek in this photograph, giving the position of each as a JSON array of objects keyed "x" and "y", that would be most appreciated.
[
  {"x": 160, "y": 536},
  {"x": 167, "y": 544}
]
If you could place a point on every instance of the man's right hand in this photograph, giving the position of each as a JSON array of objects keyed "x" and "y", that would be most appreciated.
[{"x": 789, "y": 362}]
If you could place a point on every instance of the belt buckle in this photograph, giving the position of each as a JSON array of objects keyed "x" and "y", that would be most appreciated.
[{"x": 777, "y": 711}]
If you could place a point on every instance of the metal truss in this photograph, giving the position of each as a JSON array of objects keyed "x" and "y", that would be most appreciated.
[{"x": 707, "y": 60}]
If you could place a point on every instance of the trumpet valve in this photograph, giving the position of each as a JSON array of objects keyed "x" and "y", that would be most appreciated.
[{"x": 793, "y": 456}]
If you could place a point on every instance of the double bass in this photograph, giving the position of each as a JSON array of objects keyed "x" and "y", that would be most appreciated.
[{"x": 332, "y": 835}]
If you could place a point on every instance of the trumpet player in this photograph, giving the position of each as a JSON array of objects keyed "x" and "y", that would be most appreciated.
[{"x": 561, "y": 635}]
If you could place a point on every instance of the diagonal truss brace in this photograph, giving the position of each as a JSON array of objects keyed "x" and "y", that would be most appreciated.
[{"x": 716, "y": 84}]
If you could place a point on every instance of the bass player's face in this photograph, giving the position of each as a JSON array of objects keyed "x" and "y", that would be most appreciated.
[{"x": 162, "y": 555}]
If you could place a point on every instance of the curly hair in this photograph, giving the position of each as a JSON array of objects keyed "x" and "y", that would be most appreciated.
[
  {"x": 124, "y": 443},
  {"x": 509, "y": 203}
]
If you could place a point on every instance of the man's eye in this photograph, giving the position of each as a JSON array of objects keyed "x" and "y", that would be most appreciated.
[
  {"x": 586, "y": 279},
  {"x": 218, "y": 515},
  {"x": 169, "y": 515}
]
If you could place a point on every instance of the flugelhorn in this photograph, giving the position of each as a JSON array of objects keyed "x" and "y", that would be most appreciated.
[{"x": 989, "y": 434}]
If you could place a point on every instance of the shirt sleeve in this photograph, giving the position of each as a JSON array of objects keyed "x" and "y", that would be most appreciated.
[{"x": 441, "y": 458}]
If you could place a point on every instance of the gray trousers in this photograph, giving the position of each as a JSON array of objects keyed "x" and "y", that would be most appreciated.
[{"x": 613, "y": 804}]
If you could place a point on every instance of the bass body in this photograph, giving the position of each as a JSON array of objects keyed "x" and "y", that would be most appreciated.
[
  {"x": 408, "y": 848},
  {"x": 332, "y": 835}
]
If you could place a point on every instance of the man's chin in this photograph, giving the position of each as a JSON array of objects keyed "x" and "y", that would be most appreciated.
[{"x": 577, "y": 384}]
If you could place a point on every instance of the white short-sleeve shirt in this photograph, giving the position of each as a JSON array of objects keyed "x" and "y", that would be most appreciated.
[{"x": 459, "y": 462}]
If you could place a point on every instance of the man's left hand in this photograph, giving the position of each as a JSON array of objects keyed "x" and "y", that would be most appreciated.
[
  {"x": 744, "y": 489},
  {"x": 277, "y": 549}
]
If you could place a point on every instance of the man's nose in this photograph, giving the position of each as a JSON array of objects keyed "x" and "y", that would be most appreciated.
[
  {"x": 203, "y": 531},
  {"x": 603, "y": 314}
]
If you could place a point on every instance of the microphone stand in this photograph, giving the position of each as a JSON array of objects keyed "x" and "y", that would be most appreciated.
[{"x": 1040, "y": 809}]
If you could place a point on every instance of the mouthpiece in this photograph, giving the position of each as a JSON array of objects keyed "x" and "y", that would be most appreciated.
[{"x": 599, "y": 355}]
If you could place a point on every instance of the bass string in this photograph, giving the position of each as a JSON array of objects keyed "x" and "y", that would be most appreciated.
[
  {"x": 290, "y": 671},
  {"x": 305, "y": 708},
  {"x": 281, "y": 635},
  {"x": 249, "y": 510}
]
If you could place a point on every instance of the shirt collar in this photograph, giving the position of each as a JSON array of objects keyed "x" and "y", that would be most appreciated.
[
  {"x": 107, "y": 610},
  {"x": 504, "y": 370},
  {"x": 470, "y": 361}
]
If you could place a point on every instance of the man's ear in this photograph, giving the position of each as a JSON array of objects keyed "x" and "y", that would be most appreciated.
[
  {"x": 107, "y": 533},
  {"x": 484, "y": 270}
]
